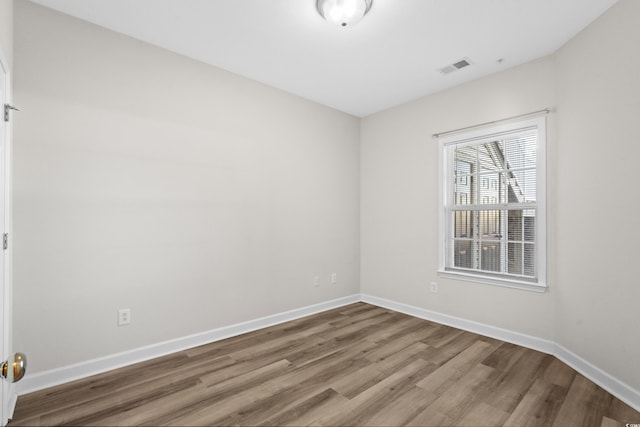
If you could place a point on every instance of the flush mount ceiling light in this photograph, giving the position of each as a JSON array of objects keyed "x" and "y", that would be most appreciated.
[{"x": 343, "y": 13}]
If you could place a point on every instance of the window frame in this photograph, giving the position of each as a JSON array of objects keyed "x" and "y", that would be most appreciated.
[{"x": 477, "y": 135}]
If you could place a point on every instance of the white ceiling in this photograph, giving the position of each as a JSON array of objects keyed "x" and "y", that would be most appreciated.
[{"x": 389, "y": 58}]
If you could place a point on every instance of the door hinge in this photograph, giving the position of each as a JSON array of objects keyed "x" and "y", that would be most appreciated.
[
  {"x": 5, "y": 241},
  {"x": 8, "y": 107}
]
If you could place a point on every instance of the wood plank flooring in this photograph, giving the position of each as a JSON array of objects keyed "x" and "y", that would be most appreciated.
[{"x": 355, "y": 365}]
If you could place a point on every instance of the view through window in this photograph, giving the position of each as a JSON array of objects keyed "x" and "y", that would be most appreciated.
[{"x": 492, "y": 202}]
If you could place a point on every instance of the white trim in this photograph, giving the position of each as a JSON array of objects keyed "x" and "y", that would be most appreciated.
[
  {"x": 9, "y": 394},
  {"x": 12, "y": 400},
  {"x": 495, "y": 281},
  {"x": 4, "y": 63},
  {"x": 544, "y": 111},
  {"x": 541, "y": 201},
  {"x": 476, "y": 135},
  {"x": 53, "y": 377},
  {"x": 443, "y": 200},
  {"x": 518, "y": 338},
  {"x": 608, "y": 382}
]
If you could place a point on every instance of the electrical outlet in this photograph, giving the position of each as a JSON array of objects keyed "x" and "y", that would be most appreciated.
[
  {"x": 434, "y": 287},
  {"x": 316, "y": 280},
  {"x": 124, "y": 316},
  {"x": 334, "y": 278}
]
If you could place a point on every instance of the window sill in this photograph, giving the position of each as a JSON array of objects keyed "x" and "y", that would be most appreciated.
[{"x": 505, "y": 283}]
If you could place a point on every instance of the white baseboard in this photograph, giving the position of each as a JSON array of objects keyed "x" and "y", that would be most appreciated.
[
  {"x": 65, "y": 374},
  {"x": 608, "y": 382},
  {"x": 613, "y": 385},
  {"x": 524, "y": 340}
]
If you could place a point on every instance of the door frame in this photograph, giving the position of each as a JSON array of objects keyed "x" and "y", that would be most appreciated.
[{"x": 8, "y": 396}]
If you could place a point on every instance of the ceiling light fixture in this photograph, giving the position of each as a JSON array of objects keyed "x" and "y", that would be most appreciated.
[{"x": 343, "y": 13}]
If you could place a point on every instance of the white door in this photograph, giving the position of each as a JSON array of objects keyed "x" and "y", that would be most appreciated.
[
  {"x": 4, "y": 322},
  {"x": 12, "y": 366}
]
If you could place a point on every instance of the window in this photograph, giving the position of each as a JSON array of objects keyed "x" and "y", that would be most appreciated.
[{"x": 493, "y": 221}]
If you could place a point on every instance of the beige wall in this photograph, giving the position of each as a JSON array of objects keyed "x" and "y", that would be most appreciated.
[
  {"x": 201, "y": 199},
  {"x": 6, "y": 29},
  {"x": 591, "y": 307},
  {"x": 399, "y": 192},
  {"x": 149, "y": 181},
  {"x": 598, "y": 237}
]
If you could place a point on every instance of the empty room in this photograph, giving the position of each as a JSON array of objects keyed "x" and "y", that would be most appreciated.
[{"x": 320, "y": 212}]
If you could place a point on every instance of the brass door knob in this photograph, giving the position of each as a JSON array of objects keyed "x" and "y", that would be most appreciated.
[{"x": 14, "y": 369}]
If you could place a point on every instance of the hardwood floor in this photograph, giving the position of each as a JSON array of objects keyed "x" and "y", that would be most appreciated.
[{"x": 355, "y": 365}]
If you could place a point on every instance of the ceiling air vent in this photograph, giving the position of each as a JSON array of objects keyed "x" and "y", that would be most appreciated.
[{"x": 464, "y": 62}]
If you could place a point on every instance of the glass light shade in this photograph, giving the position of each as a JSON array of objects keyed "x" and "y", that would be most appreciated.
[{"x": 343, "y": 13}]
